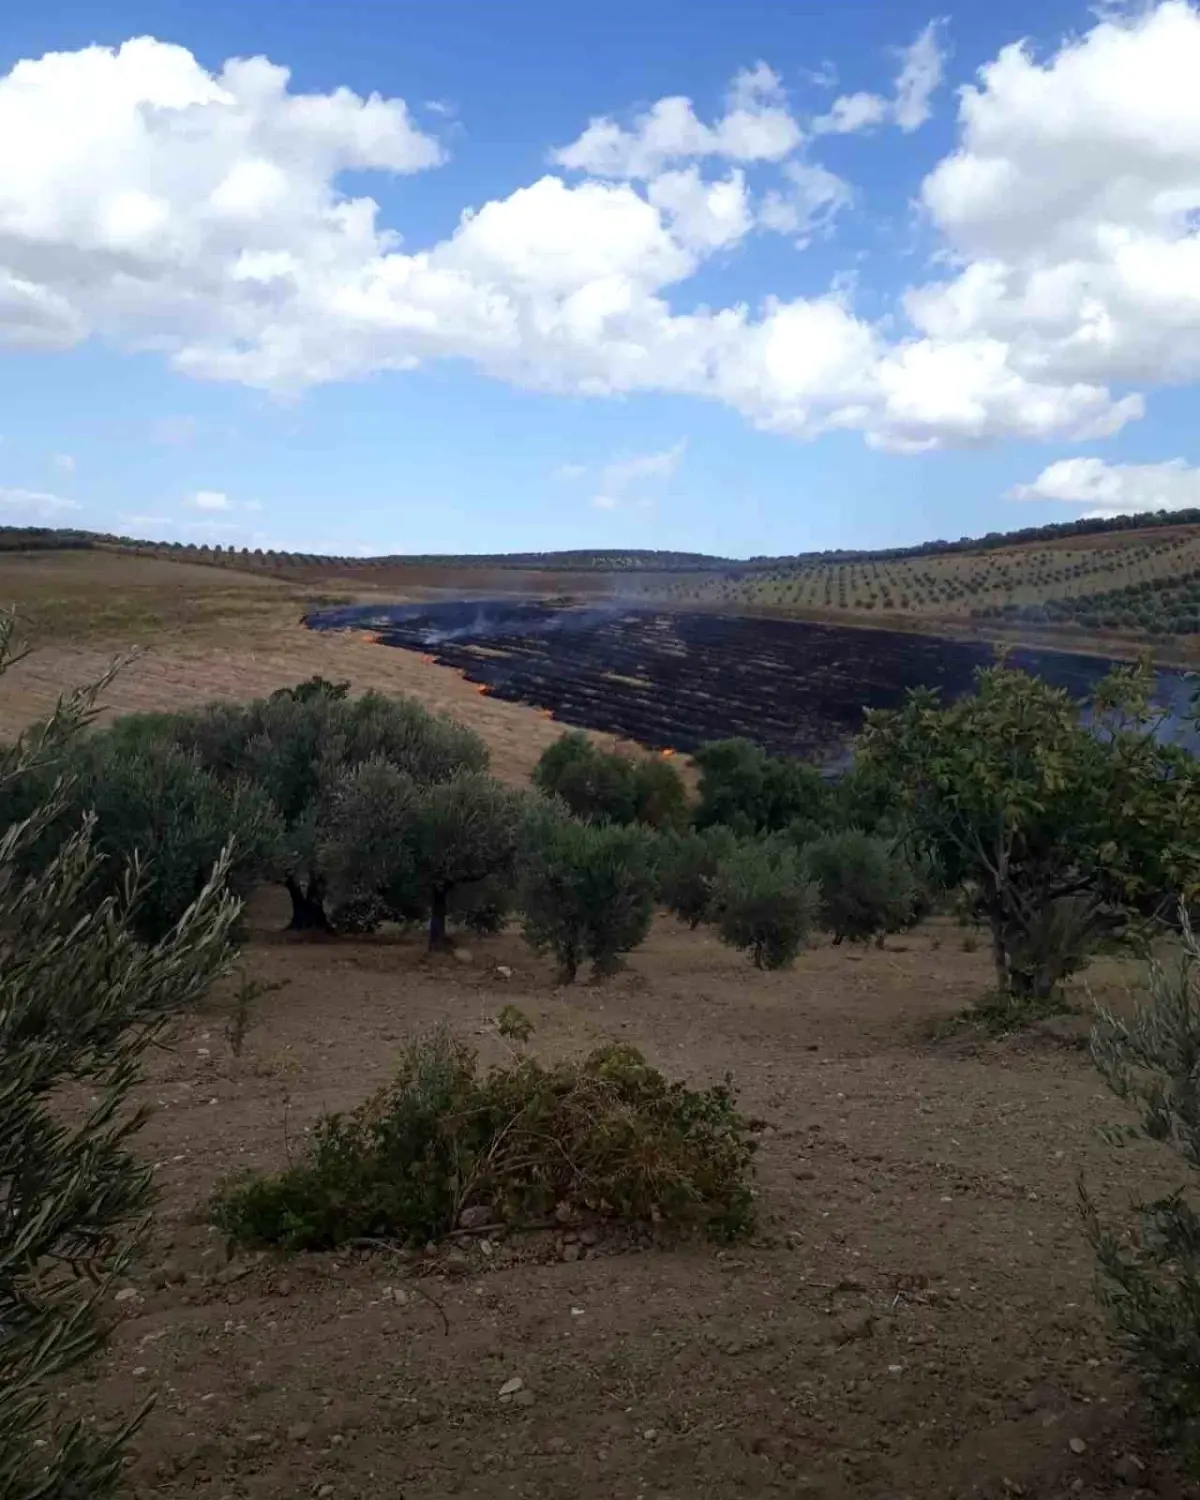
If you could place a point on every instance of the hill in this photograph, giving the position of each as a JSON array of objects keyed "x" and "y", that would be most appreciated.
[{"x": 1112, "y": 584}]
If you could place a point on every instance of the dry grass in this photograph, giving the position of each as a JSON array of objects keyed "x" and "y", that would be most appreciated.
[{"x": 205, "y": 634}]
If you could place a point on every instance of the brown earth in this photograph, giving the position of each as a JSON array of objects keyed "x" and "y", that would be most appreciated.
[{"x": 915, "y": 1320}]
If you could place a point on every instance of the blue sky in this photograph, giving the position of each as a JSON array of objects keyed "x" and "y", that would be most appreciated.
[{"x": 832, "y": 301}]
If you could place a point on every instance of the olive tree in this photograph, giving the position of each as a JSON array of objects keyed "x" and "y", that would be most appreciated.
[
  {"x": 865, "y": 885},
  {"x": 751, "y": 792},
  {"x": 1150, "y": 1267},
  {"x": 603, "y": 786},
  {"x": 586, "y": 891},
  {"x": 1065, "y": 817},
  {"x": 411, "y": 847},
  {"x": 763, "y": 902},
  {"x": 81, "y": 1000},
  {"x": 297, "y": 742}
]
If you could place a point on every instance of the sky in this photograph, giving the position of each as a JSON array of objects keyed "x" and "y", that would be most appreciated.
[{"x": 713, "y": 275}]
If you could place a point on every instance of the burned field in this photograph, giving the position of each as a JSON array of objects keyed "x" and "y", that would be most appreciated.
[{"x": 674, "y": 679}]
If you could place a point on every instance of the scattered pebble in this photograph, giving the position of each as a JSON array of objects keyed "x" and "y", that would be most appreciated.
[
  {"x": 127, "y": 1294},
  {"x": 1077, "y": 1445},
  {"x": 511, "y": 1387}
]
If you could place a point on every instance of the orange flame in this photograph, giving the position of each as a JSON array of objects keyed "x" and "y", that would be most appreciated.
[
  {"x": 666, "y": 754},
  {"x": 428, "y": 659},
  {"x": 482, "y": 687},
  {"x": 546, "y": 713}
]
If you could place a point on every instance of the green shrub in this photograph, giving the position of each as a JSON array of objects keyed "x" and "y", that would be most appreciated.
[
  {"x": 601, "y": 786},
  {"x": 688, "y": 868},
  {"x": 1150, "y": 1270},
  {"x": 865, "y": 887},
  {"x": 586, "y": 892},
  {"x": 751, "y": 792},
  {"x": 608, "y": 1136},
  {"x": 763, "y": 903}
]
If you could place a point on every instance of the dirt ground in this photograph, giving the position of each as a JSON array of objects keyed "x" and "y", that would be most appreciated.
[{"x": 915, "y": 1320}]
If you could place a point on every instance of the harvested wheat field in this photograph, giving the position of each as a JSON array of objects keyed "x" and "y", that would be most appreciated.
[
  {"x": 203, "y": 634},
  {"x": 915, "y": 1318}
]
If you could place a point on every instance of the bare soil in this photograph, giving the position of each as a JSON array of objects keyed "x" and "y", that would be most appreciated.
[{"x": 916, "y": 1318}]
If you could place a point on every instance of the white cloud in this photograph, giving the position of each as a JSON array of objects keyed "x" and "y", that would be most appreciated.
[
  {"x": 621, "y": 476},
  {"x": 159, "y": 207},
  {"x": 33, "y": 505},
  {"x": 64, "y": 463},
  {"x": 922, "y": 65},
  {"x": 757, "y": 126},
  {"x": 1116, "y": 489},
  {"x": 809, "y": 204},
  {"x": 1071, "y": 206},
  {"x": 209, "y": 500},
  {"x": 852, "y": 112}
]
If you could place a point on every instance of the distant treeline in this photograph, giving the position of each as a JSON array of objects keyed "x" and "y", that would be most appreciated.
[
  {"x": 1056, "y": 531},
  {"x": 43, "y": 539},
  {"x": 635, "y": 560}
]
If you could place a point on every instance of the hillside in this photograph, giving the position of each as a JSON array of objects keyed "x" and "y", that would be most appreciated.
[{"x": 1109, "y": 584}]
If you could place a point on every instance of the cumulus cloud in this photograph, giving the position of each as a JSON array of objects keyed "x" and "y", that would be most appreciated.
[
  {"x": 162, "y": 207},
  {"x": 1071, "y": 205},
  {"x": 623, "y": 475},
  {"x": 1116, "y": 489},
  {"x": 64, "y": 463},
  {"x": 808, "y": 204},
  {"x": 922, "y": 65},
  {"x": 33, "y": 505},
  {"x": 209, "y": 500},
  {"x": 757, "y": 126}
]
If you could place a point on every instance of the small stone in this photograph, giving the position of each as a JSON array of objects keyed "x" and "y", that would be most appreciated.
[
  {"x": 572, "y": 1252},
  {"x": 650, "y": 1434},
  {"x": 127, "y": 1294},
  {"x": 475, "y": 1217},
  {"x": 464, "y": 956},
  {"x": 511, "y": 1387},
  {"x": 503, "y": 971},
  {"x": 588, "y": 1237},
  {"x": 456, "y": 1263},
  {"x": 1077, "y": 1445},
  {"x": 299, "y": 1432},
  {"x": 1128, "y": 1469},
  {"x": 324, "y": 1492}
]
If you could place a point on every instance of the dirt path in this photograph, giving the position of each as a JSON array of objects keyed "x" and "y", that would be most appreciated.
[{"x": 915, "y": 1321}]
